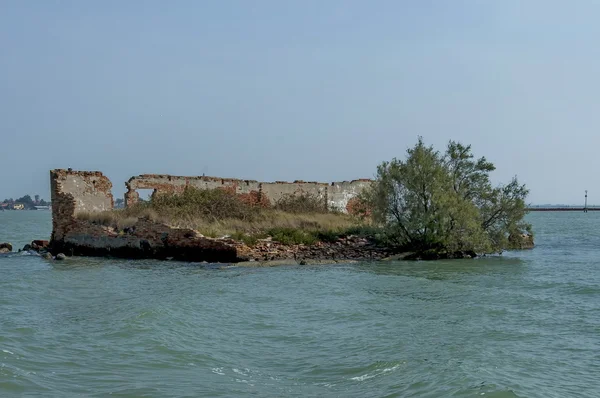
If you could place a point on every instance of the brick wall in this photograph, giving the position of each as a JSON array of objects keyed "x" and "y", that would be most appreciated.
[{"x": 336, "y": 196}]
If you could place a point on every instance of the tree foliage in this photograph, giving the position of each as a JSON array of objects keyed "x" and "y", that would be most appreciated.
[{"x": 446, "y": 202}]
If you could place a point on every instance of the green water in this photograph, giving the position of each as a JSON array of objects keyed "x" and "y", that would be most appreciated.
[{"x": 523, "y": 325}]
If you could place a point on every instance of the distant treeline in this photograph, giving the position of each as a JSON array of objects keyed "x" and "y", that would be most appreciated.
[
  {"x": 26, "y": 201},
  {"x": 559, "y": 206}
]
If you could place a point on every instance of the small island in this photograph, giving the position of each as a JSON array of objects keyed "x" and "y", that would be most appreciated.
[{"x": 429, "y": 205}]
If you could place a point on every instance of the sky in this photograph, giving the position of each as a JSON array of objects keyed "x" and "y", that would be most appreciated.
[{"x": 284, "y": 90}]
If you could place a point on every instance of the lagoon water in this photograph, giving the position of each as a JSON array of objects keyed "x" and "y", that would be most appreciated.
[{"x": 525, "y": 324}]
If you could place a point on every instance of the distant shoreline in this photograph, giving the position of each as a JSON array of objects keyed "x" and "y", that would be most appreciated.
[
  {"x": 40, "y": 208},
  {"x": 563, "y": 208}
]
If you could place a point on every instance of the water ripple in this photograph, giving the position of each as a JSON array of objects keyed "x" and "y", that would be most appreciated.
[{"x": 521, "y": 325}]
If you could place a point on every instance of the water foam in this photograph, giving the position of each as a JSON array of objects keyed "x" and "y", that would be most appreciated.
[{"x": 368, "y": 376}]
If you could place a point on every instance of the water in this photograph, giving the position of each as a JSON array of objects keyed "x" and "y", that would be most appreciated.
[{"x": 523, "y": 325}]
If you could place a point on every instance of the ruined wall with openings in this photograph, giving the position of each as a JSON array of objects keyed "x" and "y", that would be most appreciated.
[
  {"x": 338, "y": 196},
  {"x": 76, "y": 192},
  {"x": 176, "y": 184}
]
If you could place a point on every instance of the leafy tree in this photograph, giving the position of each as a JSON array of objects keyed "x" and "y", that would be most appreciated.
[
  {"x": 445, "y": 202},
  {"x": 27, "y": 201}
]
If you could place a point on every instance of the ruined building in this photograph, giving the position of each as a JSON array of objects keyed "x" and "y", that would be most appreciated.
[{"x": 90, "y": 191}]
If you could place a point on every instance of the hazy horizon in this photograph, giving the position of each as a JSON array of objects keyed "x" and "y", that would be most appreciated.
[
  {"x": 316, "y": 91},
  {"x": 145, "y": 193}
]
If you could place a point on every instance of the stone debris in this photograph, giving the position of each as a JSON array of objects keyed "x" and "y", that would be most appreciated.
[
  {"x": 5, "y": 248},
  {"x": 345, "y": 248}
]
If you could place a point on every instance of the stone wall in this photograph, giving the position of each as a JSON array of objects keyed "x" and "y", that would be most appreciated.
[
  {"x": 275, "y": 191},
  {"x": 342, "y": 195},
  {"x": 77, "y": 191},
  {"x": 175, "y": 184},
  {"x": 337, "y": 196}
]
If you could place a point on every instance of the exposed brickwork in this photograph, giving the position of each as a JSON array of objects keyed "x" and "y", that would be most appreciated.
[
  {"x": 335, "y": 196},
  {"x": 255, "y": 198},
  {"x": 357, "y": 208},
  {"x": 131, "y": 196}
]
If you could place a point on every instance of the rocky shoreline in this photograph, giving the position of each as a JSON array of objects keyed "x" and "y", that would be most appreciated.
[
  {"x": 150, "y": 240},
  {"x": 346, "y": 248},
  {"x": 37, "y": 247},
  {"x": 223, "y": 250}
]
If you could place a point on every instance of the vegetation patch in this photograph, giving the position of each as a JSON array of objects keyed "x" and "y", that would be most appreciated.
[
  {"x": 218, "y": 213},
  {"x": 302, "y": 203},
  {"x": 435, "y": 204}
]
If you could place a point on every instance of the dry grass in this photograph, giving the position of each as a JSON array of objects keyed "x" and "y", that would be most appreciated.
[
  {"x": 302, "y": 203},
  {"x": 263, "y": 221},
  {"x": 218, "y": 213},
  {"x": 119, "y": 218}
]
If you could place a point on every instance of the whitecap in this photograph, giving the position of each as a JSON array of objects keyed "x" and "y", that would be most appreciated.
[
  {"x": 375, "y": 374},
  {"x": 362, "y": 378},
  {"x": 8, "y": 352}
]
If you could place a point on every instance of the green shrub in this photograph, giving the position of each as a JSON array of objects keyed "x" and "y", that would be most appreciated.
[
  {"x": 290, "y": 236},
  {"x": 329, "y": 236},
  {"x": 210, "y": 204},
  {"x": 302, "y": 203},
  {"x": 248, "y": 239},
  {"x": 446, "y": 202}
]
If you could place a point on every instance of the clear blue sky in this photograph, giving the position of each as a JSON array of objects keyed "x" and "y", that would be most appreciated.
[{"x": 312, "y": 89}]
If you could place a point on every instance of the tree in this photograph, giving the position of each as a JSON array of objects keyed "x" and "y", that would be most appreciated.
[
  {"x": 446, "y": 202},
  {"x": 27, "y": 201},
  {"x": 119, "y": 203}
]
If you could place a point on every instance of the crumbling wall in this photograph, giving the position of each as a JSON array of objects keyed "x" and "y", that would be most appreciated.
[
  {"x": 73, "y": 192},
  {"x": 176, "y": 184},
  {"x": 343, "y": 196},
  {"x": 77, "y": 191},
  {"x": 336, "y": 196},
  {"x": 275, "y": 191}
]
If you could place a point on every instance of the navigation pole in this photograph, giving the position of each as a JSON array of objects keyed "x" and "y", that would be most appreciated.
[{"x": 585, "y": 207}]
